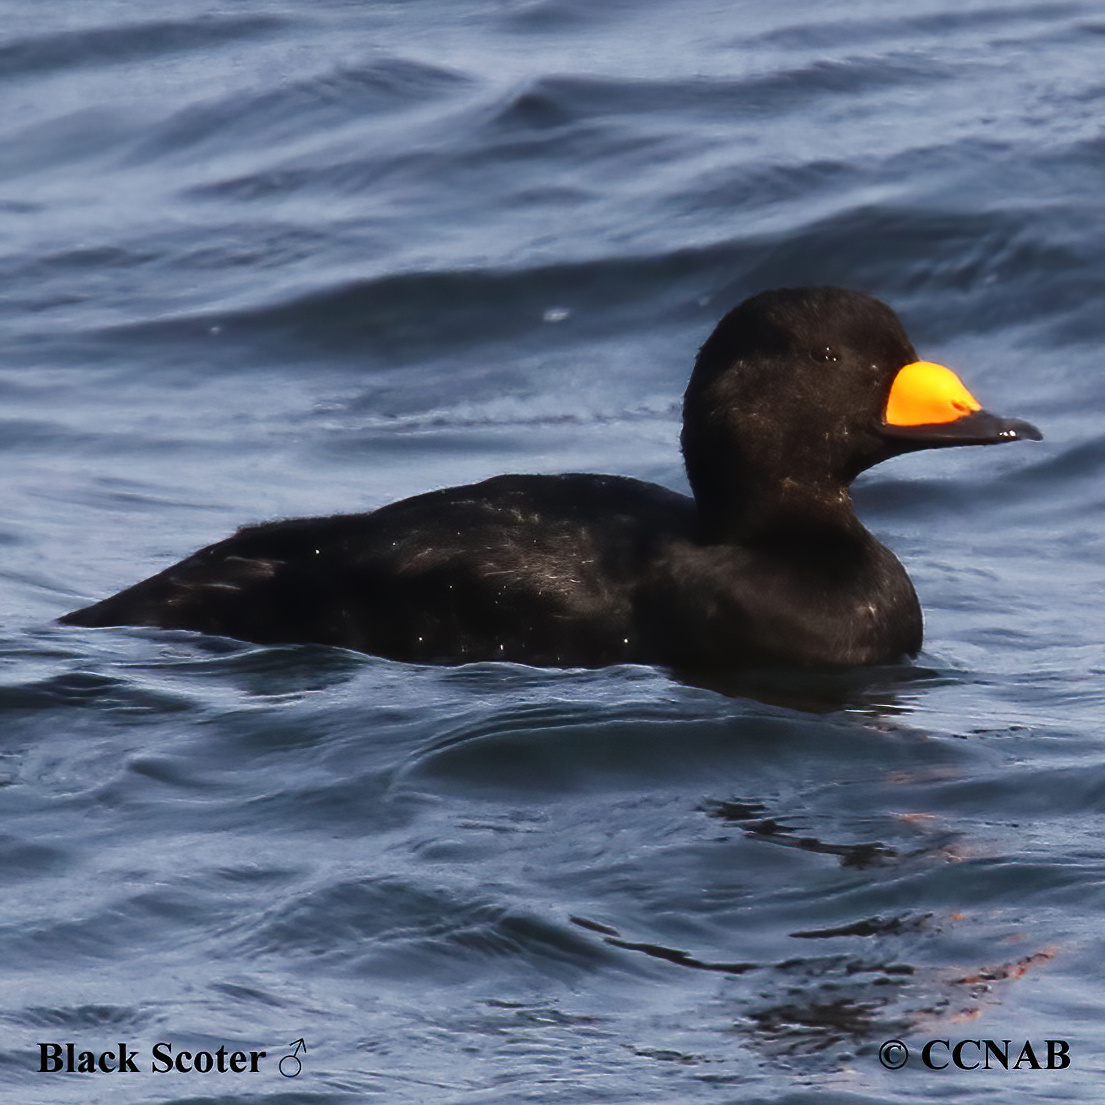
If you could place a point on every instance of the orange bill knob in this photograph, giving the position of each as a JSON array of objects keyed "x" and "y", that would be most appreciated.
[
  {"x": 928, "y": 407},
  {"x": 924, "y": 393}
]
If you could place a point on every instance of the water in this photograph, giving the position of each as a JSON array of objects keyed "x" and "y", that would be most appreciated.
[{"x": 270, "y": 259}]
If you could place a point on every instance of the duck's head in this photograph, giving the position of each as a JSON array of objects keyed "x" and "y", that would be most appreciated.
[{"x": 799, "y": 390}]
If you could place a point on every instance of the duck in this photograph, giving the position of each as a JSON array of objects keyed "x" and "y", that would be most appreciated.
[{"x": 765, "y": 564}]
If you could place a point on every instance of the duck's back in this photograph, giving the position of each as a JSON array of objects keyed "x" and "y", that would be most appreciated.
[{"x": 536, "y": 569}]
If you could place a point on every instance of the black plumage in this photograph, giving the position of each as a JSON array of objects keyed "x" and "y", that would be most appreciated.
[{"x": 766, "y": 564}]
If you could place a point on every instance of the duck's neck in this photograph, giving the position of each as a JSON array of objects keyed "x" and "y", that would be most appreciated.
[{"x": 784, "y": 514}]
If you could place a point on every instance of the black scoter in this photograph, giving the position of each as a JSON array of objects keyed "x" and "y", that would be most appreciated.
[{"x": 794, "y": 394}]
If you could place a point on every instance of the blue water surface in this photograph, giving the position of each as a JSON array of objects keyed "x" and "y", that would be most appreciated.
[{"x": 263, "y": 259}]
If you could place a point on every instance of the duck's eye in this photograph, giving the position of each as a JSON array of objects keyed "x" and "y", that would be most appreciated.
[{"x": 826, "y": 354}]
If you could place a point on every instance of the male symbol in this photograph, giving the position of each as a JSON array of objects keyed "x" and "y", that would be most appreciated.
[{"x": 294, "y": 1063}]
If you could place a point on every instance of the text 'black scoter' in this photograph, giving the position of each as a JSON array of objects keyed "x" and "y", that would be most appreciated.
[{"x": 794, "y": 394}]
